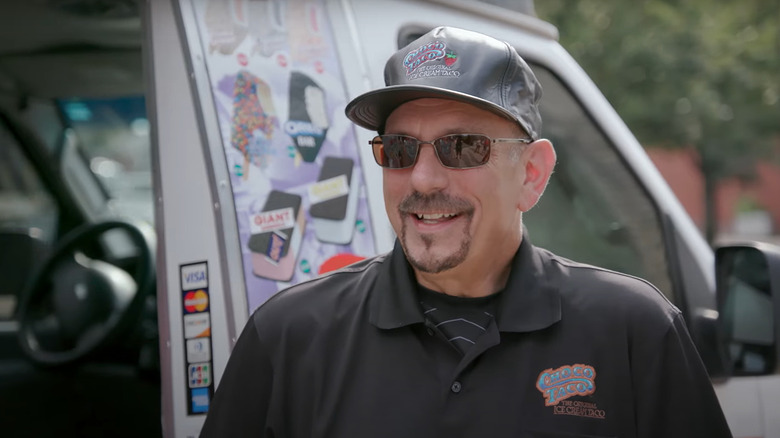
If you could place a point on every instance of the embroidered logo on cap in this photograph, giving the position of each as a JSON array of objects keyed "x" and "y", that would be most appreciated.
[
  {"x": 450, "y": 58},
  {"x": 567, "y": 381},
  {"x": 431, "y": 60},
  {"x": 423, "y": 54}
]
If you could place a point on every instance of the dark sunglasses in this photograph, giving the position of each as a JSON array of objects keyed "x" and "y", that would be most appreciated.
[{"x": 455, "y": 151}]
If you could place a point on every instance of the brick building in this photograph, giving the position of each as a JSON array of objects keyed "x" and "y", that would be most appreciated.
[{"x": 744, "y": 208}]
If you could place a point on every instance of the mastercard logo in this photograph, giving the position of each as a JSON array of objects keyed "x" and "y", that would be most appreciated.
[{"x": 196, "y": 301}]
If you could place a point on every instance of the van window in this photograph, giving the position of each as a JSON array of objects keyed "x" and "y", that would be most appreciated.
[
  {"x": 594, "y": 209},
  {"x": 25, "y": 204},
  {"x": 114, "y": 135},
  {"x": 28, "y": 221}
]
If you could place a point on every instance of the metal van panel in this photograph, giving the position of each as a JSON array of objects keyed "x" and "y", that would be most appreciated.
[
  {"x": 494, "y": 13},
  {"x": 186, "y": 213},
  {"x": 219, "y": 180},
  {"x": 740, "y": 401}
]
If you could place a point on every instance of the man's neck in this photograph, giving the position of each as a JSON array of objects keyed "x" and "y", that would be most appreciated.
[{"x": 468, "y": 280}]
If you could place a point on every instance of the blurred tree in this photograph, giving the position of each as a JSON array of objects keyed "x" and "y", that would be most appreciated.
[{"x": 684, "y": 74}]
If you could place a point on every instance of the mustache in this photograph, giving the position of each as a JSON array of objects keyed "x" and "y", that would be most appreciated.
[{"x": 417, "y": 202}]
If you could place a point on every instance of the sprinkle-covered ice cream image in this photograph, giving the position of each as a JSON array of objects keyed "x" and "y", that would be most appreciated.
[{"x": 254, "y": 118}]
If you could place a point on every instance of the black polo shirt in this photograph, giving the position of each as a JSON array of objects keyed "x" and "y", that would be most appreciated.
[{"x": 573, "y": 351}]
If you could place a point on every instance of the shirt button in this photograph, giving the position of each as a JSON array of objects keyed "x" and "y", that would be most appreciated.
[
  {"x": 430, "y": 331},
  {"x": 455, "y": 387}
]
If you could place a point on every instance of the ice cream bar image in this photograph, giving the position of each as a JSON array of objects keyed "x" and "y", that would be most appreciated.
[
  {"x": 308, "y": 123},
  {"x": 334, "y": 199},
  {"x": 254, "y": 118},
  {"x": 267, "y": 26},
  {"x": 276, "y": 235},
  {"x": 226, "y": 23}
]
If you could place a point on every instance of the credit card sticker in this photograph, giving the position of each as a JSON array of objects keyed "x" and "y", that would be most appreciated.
[
  {"x": 194, "y": 276},
  {"x": 199, "y": 375},
  {"x": 197, "y": 325},
  {"x": 199, "y": 398},
  {"x": 198, "y": 350}
]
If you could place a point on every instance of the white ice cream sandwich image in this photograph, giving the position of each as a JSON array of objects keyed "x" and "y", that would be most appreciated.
[
  {"x": 276, "y": 236},
  {"x": 308, "y": 122},
  {"x": 334, "y": 199}
]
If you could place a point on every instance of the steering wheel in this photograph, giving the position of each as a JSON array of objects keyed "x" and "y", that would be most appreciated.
[{"x": 75, "y": 304}]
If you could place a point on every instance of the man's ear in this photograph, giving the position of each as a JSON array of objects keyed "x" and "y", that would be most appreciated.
[{"x": 539, "y": 161}]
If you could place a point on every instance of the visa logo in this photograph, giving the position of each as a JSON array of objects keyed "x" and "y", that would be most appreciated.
[{"x": 194, "y": 276}]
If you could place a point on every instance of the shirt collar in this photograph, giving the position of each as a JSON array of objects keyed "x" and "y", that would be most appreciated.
[
  {"x": 529, "y": 302},
  {"x": 393, "y": 300}
]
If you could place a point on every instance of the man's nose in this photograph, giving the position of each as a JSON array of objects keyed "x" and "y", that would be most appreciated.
[{"x": 428, "y": 175}]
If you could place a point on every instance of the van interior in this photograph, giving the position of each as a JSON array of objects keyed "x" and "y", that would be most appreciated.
[{"x": 78, "y": 332}]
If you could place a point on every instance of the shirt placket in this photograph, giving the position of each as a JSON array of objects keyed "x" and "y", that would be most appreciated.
[{"x": 462, "y": 392}]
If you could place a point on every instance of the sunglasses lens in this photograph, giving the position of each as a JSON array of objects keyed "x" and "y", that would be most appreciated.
[
  {"x": 395, "y": 151},
  {"x": 456, "y": 151},
  {"x": 460, "y": 151}
]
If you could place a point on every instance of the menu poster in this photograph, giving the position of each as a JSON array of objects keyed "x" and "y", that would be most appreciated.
[{"x": 295, "y": 170}]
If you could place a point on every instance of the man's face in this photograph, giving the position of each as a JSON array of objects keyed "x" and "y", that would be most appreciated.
[{"x": 465, "y": 219}]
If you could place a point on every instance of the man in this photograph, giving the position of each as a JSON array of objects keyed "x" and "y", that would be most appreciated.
[{"x": 465, "y": 329}]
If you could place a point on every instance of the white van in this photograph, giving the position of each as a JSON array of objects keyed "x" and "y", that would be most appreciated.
[
  {"x": 261, "y": 114},
  {"x": 260, "y": 182}
]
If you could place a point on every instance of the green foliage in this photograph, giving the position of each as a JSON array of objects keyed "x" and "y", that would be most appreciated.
[{"x": 683, "y": 74}]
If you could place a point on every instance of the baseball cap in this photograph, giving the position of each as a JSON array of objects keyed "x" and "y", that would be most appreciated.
[{"x": 456, "y": 64}]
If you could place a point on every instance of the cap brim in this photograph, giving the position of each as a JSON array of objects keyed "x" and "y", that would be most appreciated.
[{"x": 370, "y": 110}]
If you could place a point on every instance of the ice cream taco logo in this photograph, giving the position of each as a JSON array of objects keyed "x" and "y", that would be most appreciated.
[
  {"x": 425, "y": 53},
  {"x": 567, "y": 381}
]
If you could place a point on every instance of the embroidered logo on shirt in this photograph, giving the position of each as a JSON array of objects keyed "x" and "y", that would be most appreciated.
[
  {"x": 567, "y": 381},
  {"x": 579, "y": 409}
]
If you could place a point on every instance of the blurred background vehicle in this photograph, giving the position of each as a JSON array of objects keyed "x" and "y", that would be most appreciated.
[{"x": 78, "y": 331}]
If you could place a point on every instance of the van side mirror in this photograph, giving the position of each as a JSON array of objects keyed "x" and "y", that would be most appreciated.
[{"x": 748, "y": 294}]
